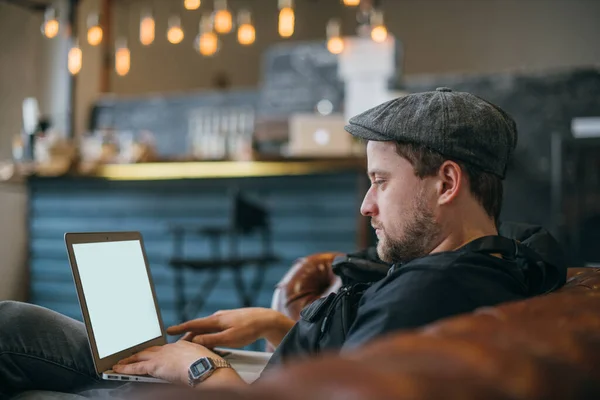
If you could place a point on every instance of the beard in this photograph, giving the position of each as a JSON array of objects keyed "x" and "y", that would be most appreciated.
[{"x": 418, "y": 239}]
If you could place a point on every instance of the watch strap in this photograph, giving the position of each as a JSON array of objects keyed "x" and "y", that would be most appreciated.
[
  {"x": 220, "y": 363},
  {"x": 216, "y": 363}
]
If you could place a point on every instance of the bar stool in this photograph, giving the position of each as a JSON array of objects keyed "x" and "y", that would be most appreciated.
[{"x": 248, "y": 218}]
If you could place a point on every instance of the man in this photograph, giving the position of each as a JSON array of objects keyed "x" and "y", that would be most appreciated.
[{"x": 436, "y": 161}]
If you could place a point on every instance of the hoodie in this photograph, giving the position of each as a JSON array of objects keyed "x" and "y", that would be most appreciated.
[
  {"x": 522, "y": 261},
  {"x": 548, "y": 266}
]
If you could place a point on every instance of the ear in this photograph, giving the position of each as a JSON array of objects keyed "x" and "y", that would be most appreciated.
[{"x": 449, "y": 182}]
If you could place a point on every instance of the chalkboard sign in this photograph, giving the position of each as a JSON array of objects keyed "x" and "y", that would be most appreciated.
[
  {"x": 296, "y": 76},
  {"x": 167, "y": 117}
]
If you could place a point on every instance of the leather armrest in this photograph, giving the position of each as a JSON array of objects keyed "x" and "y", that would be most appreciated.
[{"x": 307, "y": 280}]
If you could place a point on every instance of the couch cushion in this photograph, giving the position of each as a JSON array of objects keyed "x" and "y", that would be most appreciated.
[
  {"x": 541, "y": 348},
  {"x": 546, "y": 347}
]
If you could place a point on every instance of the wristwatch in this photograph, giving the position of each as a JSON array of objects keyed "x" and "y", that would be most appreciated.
[{"x": 201, "y": 369}]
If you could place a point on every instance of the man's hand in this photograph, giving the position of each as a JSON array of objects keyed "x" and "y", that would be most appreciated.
[
  {"x": 171, "y": 363},
  {"x": 235, "y": 328}
]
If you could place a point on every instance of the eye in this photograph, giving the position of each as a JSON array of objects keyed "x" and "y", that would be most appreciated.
[{"x": 378, "y": 182}]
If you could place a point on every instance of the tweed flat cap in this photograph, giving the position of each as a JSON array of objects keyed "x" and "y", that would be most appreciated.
[{"x": 458, "y": 125}]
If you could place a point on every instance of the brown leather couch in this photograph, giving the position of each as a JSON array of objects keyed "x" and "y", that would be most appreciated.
[
  {"x": 547, "y": 347},
  {"x": 307, "y": 280}
]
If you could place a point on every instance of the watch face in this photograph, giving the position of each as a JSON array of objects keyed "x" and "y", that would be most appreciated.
[{"x": 200, "y": 367}]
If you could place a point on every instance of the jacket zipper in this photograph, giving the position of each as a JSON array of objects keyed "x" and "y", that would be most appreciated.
[{"x": 345, "y": 290}]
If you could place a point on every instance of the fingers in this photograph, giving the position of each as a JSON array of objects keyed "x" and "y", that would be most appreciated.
[
  {"x": 141, "y": 356},
  {"x": 201, "y": 325},
  {"x": 213, "y": 340},
  {"x": 188, "y": 336},
  {"x": 140, "y": 368},
  {"x": 179, "y": 329}
]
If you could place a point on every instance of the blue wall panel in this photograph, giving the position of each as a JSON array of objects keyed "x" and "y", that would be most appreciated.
[{"x": 309, "y": 214}]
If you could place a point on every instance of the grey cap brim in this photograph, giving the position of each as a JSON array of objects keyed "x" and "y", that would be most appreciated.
[{"x": 365, "y": 133}]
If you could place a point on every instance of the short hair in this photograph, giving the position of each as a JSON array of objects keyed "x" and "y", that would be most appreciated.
[{"x": 485, "y": 186}]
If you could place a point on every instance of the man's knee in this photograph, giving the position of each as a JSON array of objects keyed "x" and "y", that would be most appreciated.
[
  {"x": 9, "y": 303},
  {"x": 15, "y": 320},
  {"x": 13, "y": 314},
  {"x": 18, "y": 315},
  {"x": 25, "y": 326},
  {"x": 10, "y": 308}
]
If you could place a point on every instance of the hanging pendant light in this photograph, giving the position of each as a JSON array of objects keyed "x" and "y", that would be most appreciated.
[
  {"x": 223, "y": 22},
  {"x": 379, "y": 32},
  {"x": 287, "y": 19},
  {"x": 175, "y": 33},
  {"x": 94, "y": 30},
  {"x": 74, "y": 58},
  {"x": 246, "y": 33},
  {"x": 122, "y": 57},
  {"x": 335, "y": 44},
  {"x": 192, "y": 4},
  {"x": 51, "y": 26},
  {"x": 147, "y": 28},
  {"x": 207, "y": 41}
]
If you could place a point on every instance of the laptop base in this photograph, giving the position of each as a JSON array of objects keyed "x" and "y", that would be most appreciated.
[{"x": 110, "y": 375}]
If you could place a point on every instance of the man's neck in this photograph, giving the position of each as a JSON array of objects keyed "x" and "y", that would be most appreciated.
[{"x": 460, "y": 236}]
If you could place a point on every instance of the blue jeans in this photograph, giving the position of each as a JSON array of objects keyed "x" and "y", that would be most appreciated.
[{"x": 44, "y": 350}]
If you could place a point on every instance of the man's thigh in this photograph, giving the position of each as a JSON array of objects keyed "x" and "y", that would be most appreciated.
[
  {"x": 45, "y": 395},
  {"x": 42, "y": 350}
]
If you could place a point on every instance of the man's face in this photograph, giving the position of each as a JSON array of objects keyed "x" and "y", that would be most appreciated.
[{"x": 400, "y": 204}]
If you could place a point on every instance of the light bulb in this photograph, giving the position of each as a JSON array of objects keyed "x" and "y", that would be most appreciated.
[
  {"x": 351, "y": 3},
  {"x": 286, "y": 22},
  {"x": 335, "y": 44},
  {"x": 122, "y": 58},
  {"x": 75, "y": 59},
  {"x": 191, "y": 4},
  {"x": 51, "y": 26},
  {"x": 147, "y": 28},
  {"x": 379, "y": 34},
  {"x": 223, "y": 18},
  {"x": 175, "y": 33},
  {"x": 286, "y": 18},
  {"x": 246, "y": 33},
  {"x": 223, "y": 21},
  {"x": 207, "y": 42},
  {"x": 94, "y": 33}
]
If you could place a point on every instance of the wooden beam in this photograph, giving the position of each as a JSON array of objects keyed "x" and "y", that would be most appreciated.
[
  {"x": 74, "y": 31},
  {"x": 107, "y": 45},
  {"x": 30, "y": 5}
]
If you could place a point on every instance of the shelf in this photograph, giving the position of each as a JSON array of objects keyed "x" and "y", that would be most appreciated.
[{"x": 226, "y": 169}]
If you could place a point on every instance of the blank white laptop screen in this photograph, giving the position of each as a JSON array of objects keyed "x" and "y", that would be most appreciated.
[{"x": 118, "y": 294}]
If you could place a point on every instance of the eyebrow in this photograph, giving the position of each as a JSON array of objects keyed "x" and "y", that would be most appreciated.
[{"x": 374, "y": 172}]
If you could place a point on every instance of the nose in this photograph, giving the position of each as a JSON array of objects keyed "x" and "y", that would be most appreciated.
[{"x": 368, "y": 208}]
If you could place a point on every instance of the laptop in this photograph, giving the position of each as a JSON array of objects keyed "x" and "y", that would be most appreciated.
[
  {"x": 119, "y": 305},
  {"x": 314, "y": 135}
]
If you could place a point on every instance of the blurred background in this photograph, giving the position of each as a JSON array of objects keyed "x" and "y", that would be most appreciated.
[{"x": 216, "y": 129}]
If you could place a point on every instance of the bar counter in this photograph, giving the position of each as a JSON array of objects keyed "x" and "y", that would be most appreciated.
[
  {"x": 227, "y": 169},
  {"x": 313, "y": 206}
]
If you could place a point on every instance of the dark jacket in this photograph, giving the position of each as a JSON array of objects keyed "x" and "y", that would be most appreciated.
[{"x": 377, "y": 299}]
